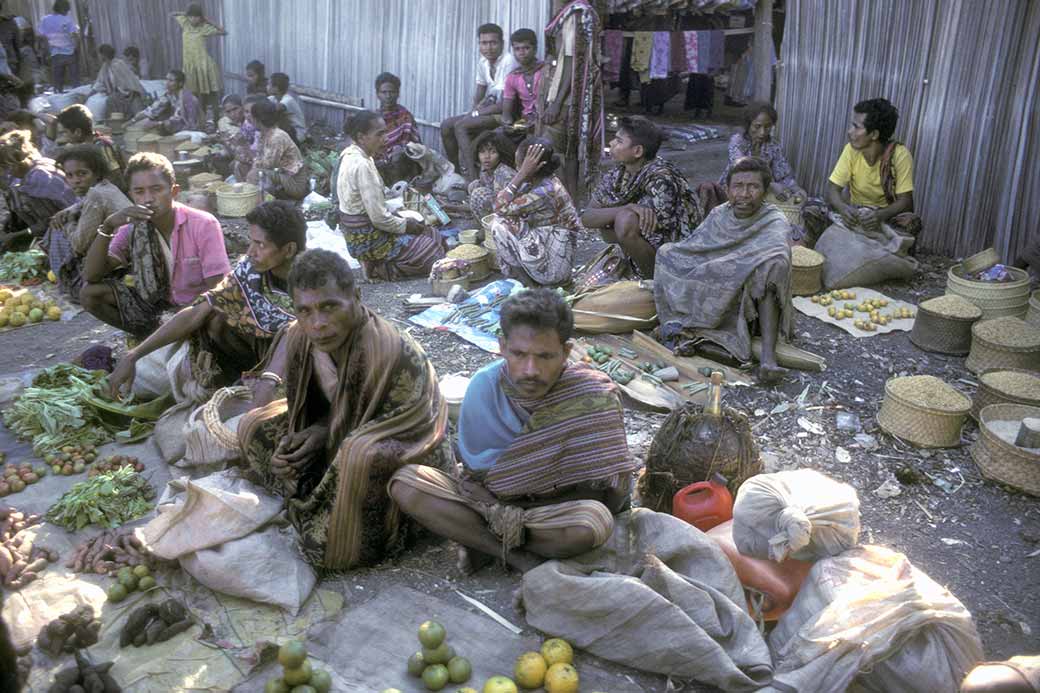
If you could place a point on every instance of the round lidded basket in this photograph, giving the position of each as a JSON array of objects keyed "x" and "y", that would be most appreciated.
[
  {"x": 924, "y": 411},
  {"x": 232, "y": 202},
  {"x": 1000, "y": 459},
  {"x": 1004, "y": 343},
  {"x": 476, "y": 256},
  {"x": 980, "y": 262},
  {"x": 943, "y": 324},
  {"x": 806, "y": 271},
  {"x": 996, "y": 299},
  {"x": 1006, "y": 386},
  {"x": 1033, "y": 311}
]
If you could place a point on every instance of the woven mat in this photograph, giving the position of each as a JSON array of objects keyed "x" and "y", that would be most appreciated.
[{"x": 804, "y": 305}]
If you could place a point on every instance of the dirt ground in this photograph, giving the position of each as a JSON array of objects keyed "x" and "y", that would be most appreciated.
[{"x": 976, "y": 538}]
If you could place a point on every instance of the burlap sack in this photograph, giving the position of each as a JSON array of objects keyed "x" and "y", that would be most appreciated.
[{"x": 616, "y": 308}]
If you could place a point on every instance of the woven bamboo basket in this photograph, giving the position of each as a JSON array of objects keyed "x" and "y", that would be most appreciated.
[
  {"x": 489, "y": 243},
  {"x": 477, "y": 257},
  {"x": 918, "y": 420},
  {"x": 990, "y": 390},
  {"x": 168, "y": 146},
  {"x": 792, "y": 210},
  {"x": 200, "y": 180},
  {"x": 1001, "y": 461},
  {"x": 237, "y": 203},
  {"x": 980, "y": 262},
  {"x": 441, "y": 287},
  {"x": 148, "y": 142},
  {"x": 1017, "y": 347},
  {"x": 131, "y": 136},
  {"x": 938, "y": 330},
  {"x": 806, "y": 271},
  {"x": 1033, "y": 312},
  {"x": 470, "y": 236},
  {"x": 996, "y": 299},
  {"x": 211, "y": 415}
]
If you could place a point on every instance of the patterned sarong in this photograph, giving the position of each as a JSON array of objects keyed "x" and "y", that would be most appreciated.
[
  {"x": 387, "y": 412},
  {"x": 389, "y": 256},
  {"x": 574, "y": 434},
  {"x": 141, "y": 306}
]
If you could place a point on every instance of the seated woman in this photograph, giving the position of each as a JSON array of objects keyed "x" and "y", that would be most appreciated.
[
  {"x": 757, "y": 140},
  {"x": 256, "y": 78},
  {"x": 401, "y": 129},
  {"x": 36, "y": 191},
  {"x": 85, "y": 168},
  {"x": 730, "y": 276},
  {"x": 494, "y": 175},
  {"x": 117, "y": 81},
  {"x": 388, "y": 246},
  {"x": 236, "y": 321},
  {"x": 238, "y": 135},
  {"x": 535, "y": 222},
  {"x": 75, "y": 125},
  {"x": 277, "y": 155}
]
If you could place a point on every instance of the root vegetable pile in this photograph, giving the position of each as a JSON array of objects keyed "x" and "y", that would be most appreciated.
[
  {"x": 85, "y": 678},
  {"x": 70, "y": 632},
  {"x": 21, "y": 560},
  {"x": 108, "y": 500},
  {"x": 114, "y": 462},
  {"x": 111, "y": 551},
  {"x": 152, "y": 623}
]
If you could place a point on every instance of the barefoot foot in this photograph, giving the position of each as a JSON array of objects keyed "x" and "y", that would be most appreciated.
[
  {"x": 771, "y": 374},
  {"x": 470, "y": 560}
]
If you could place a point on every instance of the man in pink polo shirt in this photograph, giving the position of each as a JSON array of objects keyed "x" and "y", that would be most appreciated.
[
  {"x": 524, "y": 83},
  {"x": 163, "y": 255}
]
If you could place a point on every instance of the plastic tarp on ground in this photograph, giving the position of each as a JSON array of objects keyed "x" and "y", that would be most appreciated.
[
  {"x": 659, "y": 596},
  {"x": 444, "y": 316}
]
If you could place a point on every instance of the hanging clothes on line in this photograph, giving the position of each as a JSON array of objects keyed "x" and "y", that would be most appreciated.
[
  {"x": 661, "y": 56},
  {"x": 613, "y": 48}
]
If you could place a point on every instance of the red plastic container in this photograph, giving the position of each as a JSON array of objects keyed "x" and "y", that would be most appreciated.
[{"x": 705, "y": 504}]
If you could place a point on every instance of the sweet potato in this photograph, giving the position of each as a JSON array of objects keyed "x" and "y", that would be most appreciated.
[{"x": 173, "y": 629}]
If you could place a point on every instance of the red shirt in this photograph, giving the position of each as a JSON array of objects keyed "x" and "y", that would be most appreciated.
[{"x": 517, "y": 87}]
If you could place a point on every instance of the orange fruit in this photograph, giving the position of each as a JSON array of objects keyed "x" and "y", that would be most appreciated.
[
  {"x": 530, "y": 669},
  {"x": 561, "y": 678},
  {"x": 557, "y": 650}
]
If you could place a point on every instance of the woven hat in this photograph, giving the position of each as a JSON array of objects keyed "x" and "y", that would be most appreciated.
[
  {"x": 924, "y": 411},
  {"x": 943, "y": 324},
  {"x": 1004, "y": 343},
  {"x": 1001, "y": 460}
]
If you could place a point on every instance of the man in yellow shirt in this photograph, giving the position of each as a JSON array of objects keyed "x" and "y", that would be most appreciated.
[{"x": 873, "y": 181}]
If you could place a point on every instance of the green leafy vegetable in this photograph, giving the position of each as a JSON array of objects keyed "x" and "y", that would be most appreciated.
[
  {"x": 18, "y": 267},
  {"x": 108, "y": 500}
]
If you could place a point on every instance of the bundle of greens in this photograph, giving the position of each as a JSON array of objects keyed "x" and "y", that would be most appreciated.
[
  {"x": 30, "y": 265},
  {"x": 52, "y": 413},
  {"x": 108, "y": 500}
]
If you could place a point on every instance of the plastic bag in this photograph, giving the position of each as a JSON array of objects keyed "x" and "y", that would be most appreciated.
[
  {"x": 267, "y": 567},
  {"x": 798, "y": 514},
  {"x": 868, "y": 620}
]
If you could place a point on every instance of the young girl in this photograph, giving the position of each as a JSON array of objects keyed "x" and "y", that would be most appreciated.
[
  {"x": 203, "y": 75},
  {"x": 494, "y": 174}
]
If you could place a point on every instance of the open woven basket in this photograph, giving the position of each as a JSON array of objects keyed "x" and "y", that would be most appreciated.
[
  {"x": 226, "y": 437},
  {"x": 806, "y": 271},
  {"x": 996, "y": 299},
  {"x": 980, "y": 262},
  {"x": 942, "y": 332},
  {"x": 478, "y": 258},
  {"x": 990, "y": 392},
  {"x": 919, "y": 423},
  {"x": 237, "y": 203},
  {"x": 790, "y": 209},
  {"x": 1001, "y": 461},
  {"x": 988, "y": 350}
]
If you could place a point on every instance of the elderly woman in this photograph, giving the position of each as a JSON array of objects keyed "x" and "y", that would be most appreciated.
[
  {"x": 85, "y": 168},
  {"x": 494, "y": 174},
  {"x": 277, "y": 155},
  {"x": 757, "y": 140},
  {"x": 37, "y": 190},
  {"x": 388, "y": 246},
  {"x": 535, "y": 221}
]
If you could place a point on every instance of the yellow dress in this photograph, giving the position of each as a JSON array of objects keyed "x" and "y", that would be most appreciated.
[{"x": 201, "y": 71}]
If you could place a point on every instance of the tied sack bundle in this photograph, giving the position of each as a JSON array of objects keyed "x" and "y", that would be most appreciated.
[{"x": 798, "y": 514}]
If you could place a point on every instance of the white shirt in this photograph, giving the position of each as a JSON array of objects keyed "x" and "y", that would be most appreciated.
[
  {"x": 295, "y": 113},
  {"x": 495, "y": 83}
]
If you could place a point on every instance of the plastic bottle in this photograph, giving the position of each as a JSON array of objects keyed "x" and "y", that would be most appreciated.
[{"x": 705, "y": 504}]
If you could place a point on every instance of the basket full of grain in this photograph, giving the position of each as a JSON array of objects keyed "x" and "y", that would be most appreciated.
[
  {"x": 476, "y": 256},
  {"x": 1004, "y": 343},
  {"x": 806, "y": 271},
  {"x": 1006, "y": 386},
  {"x": 924, "y": 411},
  {"x": 943, "y": 324}
]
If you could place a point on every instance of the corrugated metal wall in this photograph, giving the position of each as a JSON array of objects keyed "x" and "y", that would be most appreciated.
[
  {"x": 341, "y": 46},
  {"x": 960, "y": 73}
]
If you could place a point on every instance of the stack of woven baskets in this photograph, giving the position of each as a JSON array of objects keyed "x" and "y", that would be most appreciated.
[
  {"x": 924, "y": 411},
  {"x": 996, "y": 299},
  {"x": 806, "y": 271},
  {"x": 943, "y": 324}
]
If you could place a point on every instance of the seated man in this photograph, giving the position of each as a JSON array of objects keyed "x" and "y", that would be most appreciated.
[
  {"x": 361, "y": 401},
  {"x": 85, "y": 170},
  {"x": 236, "y": 321},
  {"x": 177, "y": 109},
  {"x": 457, "y": 132},
  {"x": 172, "y": 252},
  {"x": 278, "y": 90},
  {"x": 873, "y": 182},
  {"x": 732, "y": 272},
  {"x": 523, "y": 85},
  {"x": 75, "y": 125},
  {"x": 401, "y": 130},
  {"x": 117, "y": 81},
  {"x": 644, "y": 201},
  {"x": 545, "y": 461}
]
